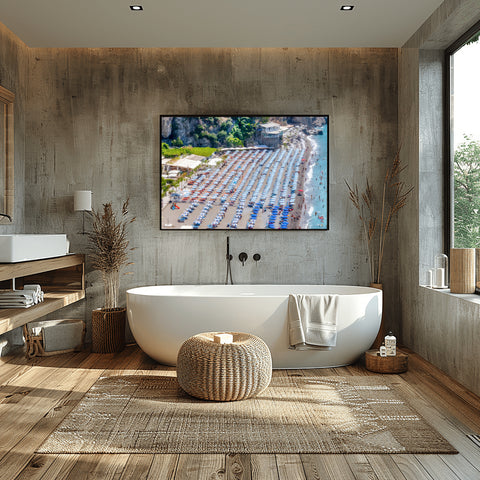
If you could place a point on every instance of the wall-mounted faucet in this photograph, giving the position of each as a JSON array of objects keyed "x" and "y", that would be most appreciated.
[
  {"x": 6, "y": 216},
  {"x": 229, "y": 258},
  {"x": 243, "y": 258}
]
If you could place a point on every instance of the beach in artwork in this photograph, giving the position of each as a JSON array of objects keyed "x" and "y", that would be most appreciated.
[{"x": 278, "y": 180}]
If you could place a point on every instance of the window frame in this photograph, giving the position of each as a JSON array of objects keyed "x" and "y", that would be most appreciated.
[{"x": 448, "y": 183}]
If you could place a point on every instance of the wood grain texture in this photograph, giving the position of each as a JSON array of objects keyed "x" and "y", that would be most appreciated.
[
  {"x": 15, "y": 317},
  {"x": 24, "y": 269},
  {"x": 392, "y": 364},
  {"x": 91, "y": 367},
  {"x": 360, "y": 467},
  {"x": 384, "y": 467},
  {"x": 264, "y": 467},
  {"x": 410, "y": 467},
  {"x": 437, "y": 467},
  {"x": 200, "y": 467},
  {"x": 48, "y": 467},
  {"x": 58, "y": 285},
  {"x": 21, "y": 437},
  {"x": 163, "y": 467},
  {"x": 462, "y": 270},
  {"x": 137, "y": 467},
  {"x": 327, "y": 467},
  {"x": 431, "y": 379},
  {"x": 55, "y": 385},
  {"x": 290, "y": 467},
  {"x": 238, "y": 467}
]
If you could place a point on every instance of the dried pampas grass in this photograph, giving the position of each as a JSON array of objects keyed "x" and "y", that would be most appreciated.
[
  {"x": 394, "y": 197},
  {"x": 109, "y": 248}
]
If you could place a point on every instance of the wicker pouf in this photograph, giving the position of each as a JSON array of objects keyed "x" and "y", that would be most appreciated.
[{"x": 224, "y": 372}]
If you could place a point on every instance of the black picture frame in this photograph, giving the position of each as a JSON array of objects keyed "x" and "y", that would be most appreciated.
[{"x": 267, "y": 173}]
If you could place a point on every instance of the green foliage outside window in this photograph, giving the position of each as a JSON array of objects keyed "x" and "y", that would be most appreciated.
[{"x": 467, "y": 194}]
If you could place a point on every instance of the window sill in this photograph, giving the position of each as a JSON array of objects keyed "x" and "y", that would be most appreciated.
[{"x": 467, "y": 297}]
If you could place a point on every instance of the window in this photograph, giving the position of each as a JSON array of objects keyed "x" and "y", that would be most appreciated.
[{"x": 463, "y": 59}]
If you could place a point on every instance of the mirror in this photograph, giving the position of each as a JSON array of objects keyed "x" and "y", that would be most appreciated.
[{"x": 6, "y": 155}]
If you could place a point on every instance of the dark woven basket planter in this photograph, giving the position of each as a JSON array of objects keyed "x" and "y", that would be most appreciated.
[{"x": 108, "y": 330}]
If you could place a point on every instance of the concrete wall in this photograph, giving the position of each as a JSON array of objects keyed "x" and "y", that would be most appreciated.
[
  {"x": 13, "y": 76},
  {"x": 441, "y": 327},
  {"x": 93, "y": 124}
]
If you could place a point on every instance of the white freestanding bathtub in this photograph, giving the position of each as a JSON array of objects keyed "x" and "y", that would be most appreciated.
[{"x": 163, "y": 317}]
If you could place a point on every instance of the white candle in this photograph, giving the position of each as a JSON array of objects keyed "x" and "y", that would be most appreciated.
[
  {"x": 430, "y": 278},
  {"x": 439, "y": 277}
]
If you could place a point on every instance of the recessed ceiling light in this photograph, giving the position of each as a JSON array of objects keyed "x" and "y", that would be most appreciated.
[
  {"x": 347, "y": 7},
  {"x": 136, "y": 7}
]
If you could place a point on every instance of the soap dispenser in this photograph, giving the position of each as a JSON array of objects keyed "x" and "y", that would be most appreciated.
[{"x": 391, "y": 345}]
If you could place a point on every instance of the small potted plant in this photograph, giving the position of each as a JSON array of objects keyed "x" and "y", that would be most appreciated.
[{"x": 109, "y": 249}]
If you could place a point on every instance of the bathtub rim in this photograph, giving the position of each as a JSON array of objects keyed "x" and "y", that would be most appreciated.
[{"x": 155, "y": 290}]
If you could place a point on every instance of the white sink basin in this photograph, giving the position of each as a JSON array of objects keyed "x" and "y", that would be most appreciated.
[{"x": 24, "y": 247}]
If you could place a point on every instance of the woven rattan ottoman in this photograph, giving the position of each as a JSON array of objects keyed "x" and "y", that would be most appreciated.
[{"x": 224, "y": 372}]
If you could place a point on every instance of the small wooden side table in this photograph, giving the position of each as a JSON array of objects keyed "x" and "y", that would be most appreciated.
[{"x": 375, "y": 363}]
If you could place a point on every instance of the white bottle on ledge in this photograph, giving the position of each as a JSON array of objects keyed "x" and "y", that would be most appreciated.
[
  {"x": 440, "y": 272},
  {"x": 391, "y": 345}
]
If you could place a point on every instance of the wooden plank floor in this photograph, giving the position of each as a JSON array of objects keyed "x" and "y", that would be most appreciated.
[{"x": 36, "y": 395}]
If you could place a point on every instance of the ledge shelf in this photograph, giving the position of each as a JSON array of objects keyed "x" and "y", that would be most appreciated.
[
  {"x": 466, "y": 297},
  {"x": 61, "y": 278}
]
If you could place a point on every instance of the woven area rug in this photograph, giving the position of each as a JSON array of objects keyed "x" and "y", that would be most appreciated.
[{"x": 296, "y": 414}]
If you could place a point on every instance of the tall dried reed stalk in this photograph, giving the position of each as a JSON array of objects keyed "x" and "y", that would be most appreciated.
[
  {"x": 394, "y": 197},
  {"x": 109, "y": 248}
]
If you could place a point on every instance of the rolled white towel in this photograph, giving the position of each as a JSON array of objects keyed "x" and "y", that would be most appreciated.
[
  {"x": 34, "y": 286},
  {"x": 36, "y": 292}
]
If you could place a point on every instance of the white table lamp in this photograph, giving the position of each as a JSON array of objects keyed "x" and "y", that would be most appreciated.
[{"x": 82, "y": 201}]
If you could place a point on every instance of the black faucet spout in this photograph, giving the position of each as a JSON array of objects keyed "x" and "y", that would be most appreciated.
[{"x": 6, "y": 216}]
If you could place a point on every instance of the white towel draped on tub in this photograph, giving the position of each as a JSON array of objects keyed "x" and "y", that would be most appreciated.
[{"x": 312, "y": 321}]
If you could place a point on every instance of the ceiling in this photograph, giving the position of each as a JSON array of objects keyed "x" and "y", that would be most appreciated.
[{"x": 215, "y": 23}]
